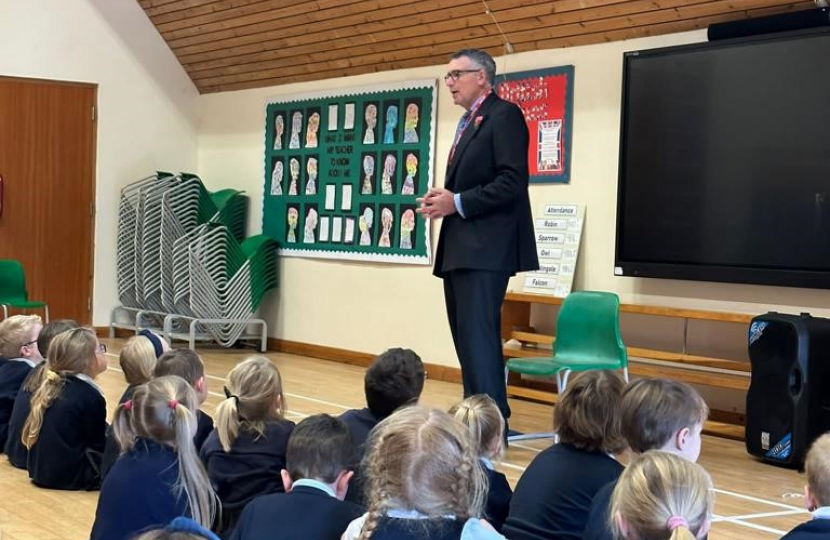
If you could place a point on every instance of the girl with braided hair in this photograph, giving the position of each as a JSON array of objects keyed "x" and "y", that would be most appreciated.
[
  {"x": 64, "y": 430},
  {"x": 158, "y": 476},
  {"x": 245, "y": 454},
  {"x": 662, "y": 496},
  {"x": 423, "y": 481}
]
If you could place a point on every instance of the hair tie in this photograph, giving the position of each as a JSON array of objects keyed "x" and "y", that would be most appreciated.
[
  {"x": 128, "y": 405},
  {"x": 173, "y": 403},
  {"x": 154, "y": 339},
  {"x": 229, "y": 395},
  {"x": 677, "y": 521}
]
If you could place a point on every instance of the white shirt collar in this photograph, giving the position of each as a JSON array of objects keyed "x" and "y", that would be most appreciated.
[
  {"x": 822, "y": 512},
  {"x": 487, "y": 463},
  {"x": 316, "y": 484},
  {"x": 25, "y": 360},
  {"x": 87, "y": 379}
]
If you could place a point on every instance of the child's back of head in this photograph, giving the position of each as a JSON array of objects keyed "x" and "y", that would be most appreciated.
[
  {"x": 587, "y": 414},
  {"x": 186, "y": 364},
  {"x": 139, "y": 355},
  {"x": 254, "y": 397},
  {"x": 164, "y": 410},
  {"x": 422, "y": 460},
  {"x": 817, "y": 467},
  {"x": 320, "y": 448},
  {"x": 52, "y": 329},
  {"x": 484, "y": 422},
  {"x": 394, "y": 379},
  {"x": 662, "y": 496},
  {"x": 662, "y": 414}
]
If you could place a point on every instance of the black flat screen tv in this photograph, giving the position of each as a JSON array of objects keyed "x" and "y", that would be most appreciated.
[{"x": 725, "y": 162}]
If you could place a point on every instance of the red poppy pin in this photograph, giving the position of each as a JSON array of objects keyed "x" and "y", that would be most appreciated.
[{"x": 477, "y": 122}]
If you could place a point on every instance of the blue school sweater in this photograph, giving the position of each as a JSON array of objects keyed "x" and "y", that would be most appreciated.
[
  {"x": 360, "y": 422},
  {"x": 64, "y": 456},
  {"x": 498, "y": 496},
  {"x": 138, "y": 493},
  {"x": 306, "y": 513},
  {"x": 554, "y": 494},
  {"x": 816, "y": 529},
  {"x": 252, "y": 468},
  {"x": 14, "y": 449},
  {"x": 12, "y": 375}
]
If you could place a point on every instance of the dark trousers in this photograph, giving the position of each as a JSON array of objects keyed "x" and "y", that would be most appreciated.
[{"x": 474, "y": 299}]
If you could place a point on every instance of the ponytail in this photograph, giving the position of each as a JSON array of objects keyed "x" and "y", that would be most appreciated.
[{"x": 49, "y": 387}]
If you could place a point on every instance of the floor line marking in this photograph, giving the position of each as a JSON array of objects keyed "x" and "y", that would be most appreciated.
[
  {"x": 722, "y": 519},
  {"x": 763, "y": 515},
  {"x": 755, "y": 499}
]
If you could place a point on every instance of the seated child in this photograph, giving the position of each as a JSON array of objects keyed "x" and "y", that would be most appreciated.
[
  {"x": 158, "y": 476},
  {"x": 656, "y": 414},
  {"x": 485, "y": 424},
  {"x": 181, "y": 528},
  {"x": 395, "y": 378},
  {"x": 316, "y": 478},
  {"x": 187, "y": 365},
  {"x": 554, "y": 494},
  {"x": 14, "y": 447},
  {"x": 246, "y": 452},
  {"x": 64, "y": 431},
  {"x": 423, "y": 481},
  {"x": 18, "y": 343},
  {"x": 662, "y": 496},
  {"x": 137, "y": 359},
  {"x": 816, "y": 493}
]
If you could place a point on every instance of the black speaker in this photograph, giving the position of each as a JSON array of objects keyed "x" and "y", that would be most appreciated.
[
  {"x": 786, "y": 409},
  {"x": 784, "y": 22}
]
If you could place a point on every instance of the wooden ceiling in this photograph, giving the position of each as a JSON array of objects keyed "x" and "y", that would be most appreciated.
[{"x": 237, "y": 44}]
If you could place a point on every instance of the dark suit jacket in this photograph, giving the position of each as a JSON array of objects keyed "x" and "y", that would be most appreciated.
[{"x": 489, "y": 171}]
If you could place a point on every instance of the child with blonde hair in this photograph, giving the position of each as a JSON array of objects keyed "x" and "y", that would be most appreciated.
[
  {"x": 246, "y": 452},
  {"x": 662, "y": 496},
  {"x": 158, "y": 476},
  {"x": 19, "y": 348},
  {"x": 554, "y": 494},
  {"x": 14, "y": 447},
  {"x": 423, "y": 481},
  {"x": 816, "y": 493},
  {"x": 485, "y": 424},
  {"x": 188, "y": 365},
  {"x": 64, "y": 431}
]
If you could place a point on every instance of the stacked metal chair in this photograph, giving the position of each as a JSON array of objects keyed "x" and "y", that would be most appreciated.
[{"x": 184, "y": 261}]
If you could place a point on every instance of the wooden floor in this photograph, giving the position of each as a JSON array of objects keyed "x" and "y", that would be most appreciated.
[{"x": 753, "y": 500}]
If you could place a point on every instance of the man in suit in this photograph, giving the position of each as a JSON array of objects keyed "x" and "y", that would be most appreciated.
[{"x": 487, "y": 230}]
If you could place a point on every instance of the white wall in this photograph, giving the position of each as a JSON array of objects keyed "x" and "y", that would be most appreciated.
[{"x": 147, "y": 106}]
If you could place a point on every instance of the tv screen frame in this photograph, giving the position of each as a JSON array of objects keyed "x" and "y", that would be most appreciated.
[{"x": 628, "y": 266}]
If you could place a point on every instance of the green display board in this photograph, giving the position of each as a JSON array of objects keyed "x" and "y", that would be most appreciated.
[{"x": 343, "y": 170}]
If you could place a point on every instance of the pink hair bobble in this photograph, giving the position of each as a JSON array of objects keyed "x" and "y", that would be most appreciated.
[
  {"x": 173, "y": 403},
  {"x": 128, "y": 405},
  {"x": 677, "y": 521}
]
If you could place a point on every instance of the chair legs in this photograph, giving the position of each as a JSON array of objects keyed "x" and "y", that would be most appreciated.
[
  {"x": 5, "y": 311},
  {"x": 45, "y": 313}
]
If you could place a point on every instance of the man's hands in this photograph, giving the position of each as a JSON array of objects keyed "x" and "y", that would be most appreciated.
[{"x": 437, "y": 203}]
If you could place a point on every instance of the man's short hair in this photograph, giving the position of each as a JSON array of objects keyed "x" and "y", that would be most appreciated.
[
  {"x": 320, "y": 448},
  {"x": 817, "y": 467},
  {"x": 653, "y": 410},
  {"x": 481, "y": 59},
  {"x": 395, "y": 378},
  {"x": 587, "y": 413},
  {"x": 182, "y": 362},
  {"x": 52, "y": 329}
]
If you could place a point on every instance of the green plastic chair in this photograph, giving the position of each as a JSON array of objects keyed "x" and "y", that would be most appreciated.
[
  {"x": 13, "y": 291},
  {"x": 587, "y": 337}
]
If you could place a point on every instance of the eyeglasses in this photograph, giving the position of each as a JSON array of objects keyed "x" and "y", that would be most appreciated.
[
  {"x": 101, "y": 348},
  {"x": 29, "y": 343},
  {"x": 455, "y": 74}
]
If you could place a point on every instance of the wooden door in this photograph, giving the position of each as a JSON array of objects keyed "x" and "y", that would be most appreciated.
[{"x": 47, "y": 163}]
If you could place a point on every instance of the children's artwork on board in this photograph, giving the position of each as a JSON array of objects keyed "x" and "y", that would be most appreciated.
[{"x": 343, "y": 170}]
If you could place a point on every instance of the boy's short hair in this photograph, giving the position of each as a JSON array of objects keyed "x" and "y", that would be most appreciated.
[
  {"x": 182, "y": 362},
  {"x": 817, "y": 467},
  {"x": 395, "y": 378},
  {"x": 52, "y": 329},
  {"x": 15, "y": 332},
  {"x": 587, "y": 414},
  {"x": 653, "y": 410},
  {"x": 320, "y": 448}
]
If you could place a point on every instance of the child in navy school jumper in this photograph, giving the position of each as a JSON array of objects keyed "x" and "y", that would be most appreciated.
[
  {"x": 246, "y": 452},
  {"x": 816, "y": 493},
  {"x": 662, "y": 496},
  {"x": 423, "y": 481},
  {"x": 316, "y": 478},
  {"x": 18, "y": 342},
  {"x": 181, "y": 528},
  {"x": 137, "y": 360},
  {"x": 186, "y": 364},
  {"x": 395, "y": 378},
  {"x": 655, "y": 414},
  {"x": 14, "y": 448},
  {"x": 158, "y": 476},
  {"x": 552, "y": 498},
  {"x": 64, "y": 431},
  {"x": 485, "y": 424}
]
